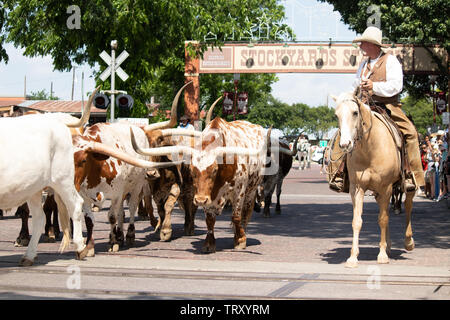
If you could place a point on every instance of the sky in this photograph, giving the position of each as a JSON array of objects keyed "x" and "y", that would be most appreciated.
[{"x": 311, "y": 21}]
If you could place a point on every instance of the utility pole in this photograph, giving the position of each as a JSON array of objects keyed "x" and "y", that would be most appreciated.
[
  {"x": 51, "y": 90},
  {"x": 73, "y": 81},
  {"x": 113, "y": 69},
  {"x": 82, "y": 92},
  {"x": 113, "y": 76},
  {"x": 25, "y": 87}
]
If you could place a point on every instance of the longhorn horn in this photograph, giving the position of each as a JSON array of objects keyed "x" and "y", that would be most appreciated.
[
  {"x": 116, "y": 153},
  {"x": 210, "y": 111},
  {"x": 288, "y": 151},
  {"x": 173, "y": 114},
  {"x": 180, "y": 132},
  {"x": 86, "y": 112},
  {"x": 160, "y": 151},
  {"x": 240, "y": 151},
  {"x": 269, "y": 141}
]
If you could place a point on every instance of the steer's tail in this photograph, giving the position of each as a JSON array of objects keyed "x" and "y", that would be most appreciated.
[{"x": 64, "y": 219}]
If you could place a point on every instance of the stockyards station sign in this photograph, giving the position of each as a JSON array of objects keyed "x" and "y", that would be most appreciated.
[{"x": 308, "y": 58}]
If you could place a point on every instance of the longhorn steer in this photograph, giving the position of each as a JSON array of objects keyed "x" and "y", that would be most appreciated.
[
  {"x": 37, "y": 153},
  {"x": 228, "y": 168},
  {"x": 283, "y": 162}
]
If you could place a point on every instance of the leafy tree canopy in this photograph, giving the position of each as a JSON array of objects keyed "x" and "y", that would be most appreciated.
[
  {"x": 41, "y": 95},
  {"x": 422, "y": 22},
  {"x": 153, "y": 32}
]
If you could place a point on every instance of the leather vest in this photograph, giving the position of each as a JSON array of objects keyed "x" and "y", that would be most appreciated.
[{"x": 379, "y": 75}]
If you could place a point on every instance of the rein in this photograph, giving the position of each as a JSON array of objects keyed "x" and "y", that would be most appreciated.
[{"x": 360, "y": 133}]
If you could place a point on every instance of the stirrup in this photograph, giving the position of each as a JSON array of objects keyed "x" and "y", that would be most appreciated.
[
  {"x": 338, "y": 183},
  {"x": 410, "y": 183}
]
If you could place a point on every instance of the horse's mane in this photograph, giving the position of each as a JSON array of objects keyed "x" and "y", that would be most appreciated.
[{"x": 344, "y": 96}]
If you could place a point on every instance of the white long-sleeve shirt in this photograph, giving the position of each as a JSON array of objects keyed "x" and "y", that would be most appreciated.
[{"x": 394, "y": 77}]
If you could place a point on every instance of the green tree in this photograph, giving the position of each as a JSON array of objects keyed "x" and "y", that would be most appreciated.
[
  {"x": 41, "y": 95},
  {"x": 421, "y": 112},
  {"x": 422, "y": 22},
  {"x": 153, "y": 32},
  {"x": 319, "y": 120},
  {"x": 271, "y": 112}
]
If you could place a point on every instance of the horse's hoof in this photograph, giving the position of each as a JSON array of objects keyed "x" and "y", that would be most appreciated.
[
  {"x": 165, "y": 235},
  {"x": 351, "y": 263},
  {"x": 25, "y": 262},
  {"x": 409, "y": 246},
  {"x": 382, "y": 259}
]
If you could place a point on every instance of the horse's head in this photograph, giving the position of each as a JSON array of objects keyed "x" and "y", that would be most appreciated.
[{"x": 349, "y": 118}]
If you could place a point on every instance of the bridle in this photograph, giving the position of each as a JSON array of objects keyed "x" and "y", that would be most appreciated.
[{"x": 360, "y": 132}]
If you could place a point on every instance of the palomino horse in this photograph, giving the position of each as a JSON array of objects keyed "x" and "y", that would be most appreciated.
[{"x": 373, "y": 163}]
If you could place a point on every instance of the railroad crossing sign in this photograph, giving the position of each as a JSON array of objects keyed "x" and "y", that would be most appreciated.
[
  {"x": 118, "y": 70},
  {"x": 112, "y": 69}
]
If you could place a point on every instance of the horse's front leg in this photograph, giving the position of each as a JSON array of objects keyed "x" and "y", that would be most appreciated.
[
  {"x": 383, "y": 221},
  {"x": 357, "y": 199},
  {"x": 409, "y": 241}
]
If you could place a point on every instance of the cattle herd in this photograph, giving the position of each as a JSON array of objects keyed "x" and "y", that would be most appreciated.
[{"x": 76, "y": 167}]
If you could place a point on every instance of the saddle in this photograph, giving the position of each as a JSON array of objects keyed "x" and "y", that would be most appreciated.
[{"x": 384, "y": 115}]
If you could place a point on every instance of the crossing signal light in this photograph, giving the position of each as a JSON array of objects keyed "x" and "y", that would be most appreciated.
[
  {"x": 101, "y": 101},
  {"x": 124, "y": 101}
]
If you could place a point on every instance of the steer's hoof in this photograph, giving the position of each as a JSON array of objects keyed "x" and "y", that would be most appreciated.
[
  {"x": 48, "y": 239},
  {"x": 21, "y": 242},
  {"x": 91, "y": 252},
  {"x": 114, "y": 248},
  {"x": 25, "y": 262},
  {"x": 82, "y": 254},
  {"x": 130, "y": 239},
  {"x": 240, "y": 245},
  {"x": 209, "y": 249},
  {"x": 383, "y": 259}
]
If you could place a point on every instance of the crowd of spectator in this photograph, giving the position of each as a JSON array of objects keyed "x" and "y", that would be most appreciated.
[{"x": 434, "y": 153}]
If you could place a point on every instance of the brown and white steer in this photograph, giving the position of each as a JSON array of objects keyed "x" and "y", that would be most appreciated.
[
  {"x": 114, "y": 178},
  {"x": 226, "y": 166}
]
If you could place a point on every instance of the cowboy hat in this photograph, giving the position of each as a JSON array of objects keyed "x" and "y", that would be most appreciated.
[{"x": 372, "y": 35}]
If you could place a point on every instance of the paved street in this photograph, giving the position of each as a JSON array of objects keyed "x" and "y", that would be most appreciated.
[{"x": 299, "y": 254}]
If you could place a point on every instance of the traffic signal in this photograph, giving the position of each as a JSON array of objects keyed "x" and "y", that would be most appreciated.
[
  {"x": 101, "y": 101},
  {"x": 124, "y": 102}
]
